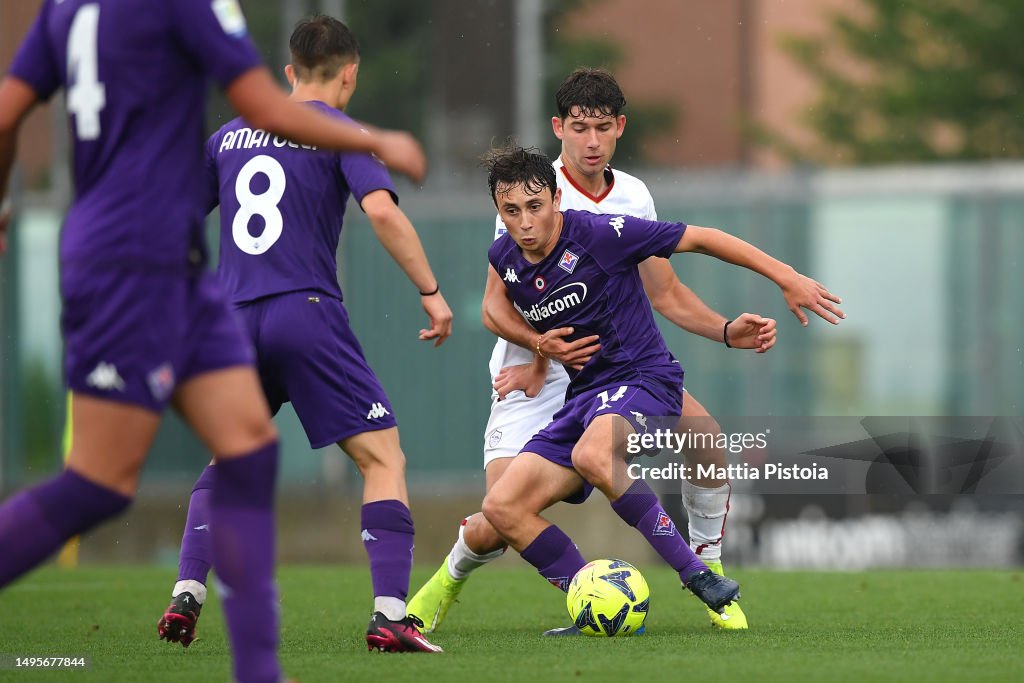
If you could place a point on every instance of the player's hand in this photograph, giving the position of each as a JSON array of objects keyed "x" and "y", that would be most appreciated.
[
  {"x": 440, "y": 316},
  {"x": 750, "y": 331},
  {"x": 5, "y": 220},
  {"x": 402, "y": 153},
  {"x": 574, "y": 354},
  {"x": 528, "y": 378},
  {"x": 801, "y": 291}
]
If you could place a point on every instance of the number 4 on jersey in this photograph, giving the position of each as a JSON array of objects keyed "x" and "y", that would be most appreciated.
[{"x": 86, "y": 96}]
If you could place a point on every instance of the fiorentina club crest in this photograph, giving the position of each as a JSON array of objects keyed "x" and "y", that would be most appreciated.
[
  {"x": 161, "y": 382},
  {"x": 569, "y": 261},
  {"x": 664, "y": 526}
]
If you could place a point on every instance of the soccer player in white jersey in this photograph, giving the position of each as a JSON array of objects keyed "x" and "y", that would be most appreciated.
[{"x": 529, "y": 389}]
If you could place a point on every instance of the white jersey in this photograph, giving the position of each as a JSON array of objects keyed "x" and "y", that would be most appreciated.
[{"x": 626, "y": 195}]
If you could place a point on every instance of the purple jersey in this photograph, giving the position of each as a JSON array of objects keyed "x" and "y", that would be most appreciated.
[
  {"x": 135, "y": 73},
  {"x": 590, "y": 282},
  {"x": 281, "y": 208}
]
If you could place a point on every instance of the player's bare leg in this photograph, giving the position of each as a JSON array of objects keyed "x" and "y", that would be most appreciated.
[
  {"x": 596, "y": 457},
  {"x": 387, "y": 533},
  {"x": 530, "y": 485},
  {"x": 110, "y": 443},
  {"x": 707, "y": 502},
  {"x": 378, "y": 456},
  {"x": 228, "y": 412},
  {"x": 478, "y": 543}
]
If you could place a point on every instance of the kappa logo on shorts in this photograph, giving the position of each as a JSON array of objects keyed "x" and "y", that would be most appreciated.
[
  {"x": 640, "y": 418},
  {"x": 493, "y": 438},
  {"x": 161, "y": 382},
  {"x": 105, "y": 378},
  {"x": 664, "y": 526},
  {"x": 377, "y": 411}
]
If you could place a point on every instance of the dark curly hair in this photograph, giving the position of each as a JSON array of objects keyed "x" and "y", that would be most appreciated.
[
  {"x": 513, "y": 165},
  {"x": 590, "y": 92}
]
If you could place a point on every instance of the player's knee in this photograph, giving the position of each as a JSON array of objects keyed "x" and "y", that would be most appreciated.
[
  {"x": 498, "y": 512},
  {"x": 371, "y": 461},
  {"x": 705, "y": 450},
  {"x": 593, "y": 464},
  {"x": 262, "y": 432},
  {"x": 481, "y": 536},
  {"x": 248, "y": 436}
]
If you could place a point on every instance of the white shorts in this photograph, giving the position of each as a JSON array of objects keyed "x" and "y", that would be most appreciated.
[{"x": 517, "y": 419}]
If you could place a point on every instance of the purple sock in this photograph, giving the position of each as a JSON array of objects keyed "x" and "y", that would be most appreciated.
[
  {"x": 37, "y": 521},
  {"x": 555, "y": 556},
  {"x": 242, "y": 530},
  {"x": 639, "y": 508},
  {"x": 388, "y": 537},
  {"x": 196, "y": 554}
]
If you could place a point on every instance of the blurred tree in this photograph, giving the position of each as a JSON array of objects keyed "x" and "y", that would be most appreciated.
[
  {"x": 392, "y": 35},
  {"x": 566, "y": 52},
  {"x": 400, "y": 75},
  {"x": 914, "y": 80},
  {"x": 393, "y": 74}
]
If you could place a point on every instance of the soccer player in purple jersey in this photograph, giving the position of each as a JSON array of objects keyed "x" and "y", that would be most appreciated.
[
  {"x": 580, "y": 270},
  {"x": 145, "y": 324},
  {"x": 281, "y": 209},
  {"x": 589, "y": 121}
]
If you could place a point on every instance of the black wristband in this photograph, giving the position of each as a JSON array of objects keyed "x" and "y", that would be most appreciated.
[
  {"x": 436, "y": 290},
  {"x": 725, "y": 334}
]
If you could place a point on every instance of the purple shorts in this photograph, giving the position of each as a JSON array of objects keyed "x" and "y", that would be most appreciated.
[
  {"x": 307, "y": 354},
  {"x": 134, "y": 336},
  {"x": 635, "y": 403}
]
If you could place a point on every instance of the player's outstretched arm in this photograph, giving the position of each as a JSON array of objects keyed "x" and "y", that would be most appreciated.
[
  {"x": 799, "y": 290},
  {"x": 677, "y": 302},
  {"x": 16, "y": 101},
  {"x": 399, "y": 238},
  {"x": 684, "y": 309},
  {"x": 501, "y": 318},
  {"x": 262, "y": 103}
]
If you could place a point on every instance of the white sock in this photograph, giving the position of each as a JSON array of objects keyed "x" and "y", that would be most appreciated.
[
  {"x": 462, "y": 560},
  {"x": 392, "y": 608},
  {"x": 707, "y": 509},
  {"x": 197, "y": 590}
]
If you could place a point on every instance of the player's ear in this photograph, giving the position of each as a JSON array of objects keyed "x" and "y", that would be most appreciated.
[
  {"x": 556, "y": 126},
  {"x": 289, "y": 73},
  {"x": 620, "y": 125},
  {"x": 557, "y": 200},
  {"x": 351, "y": 72}
]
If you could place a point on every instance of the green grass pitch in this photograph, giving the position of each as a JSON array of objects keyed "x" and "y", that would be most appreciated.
[{"x": 805, "y": 626}]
